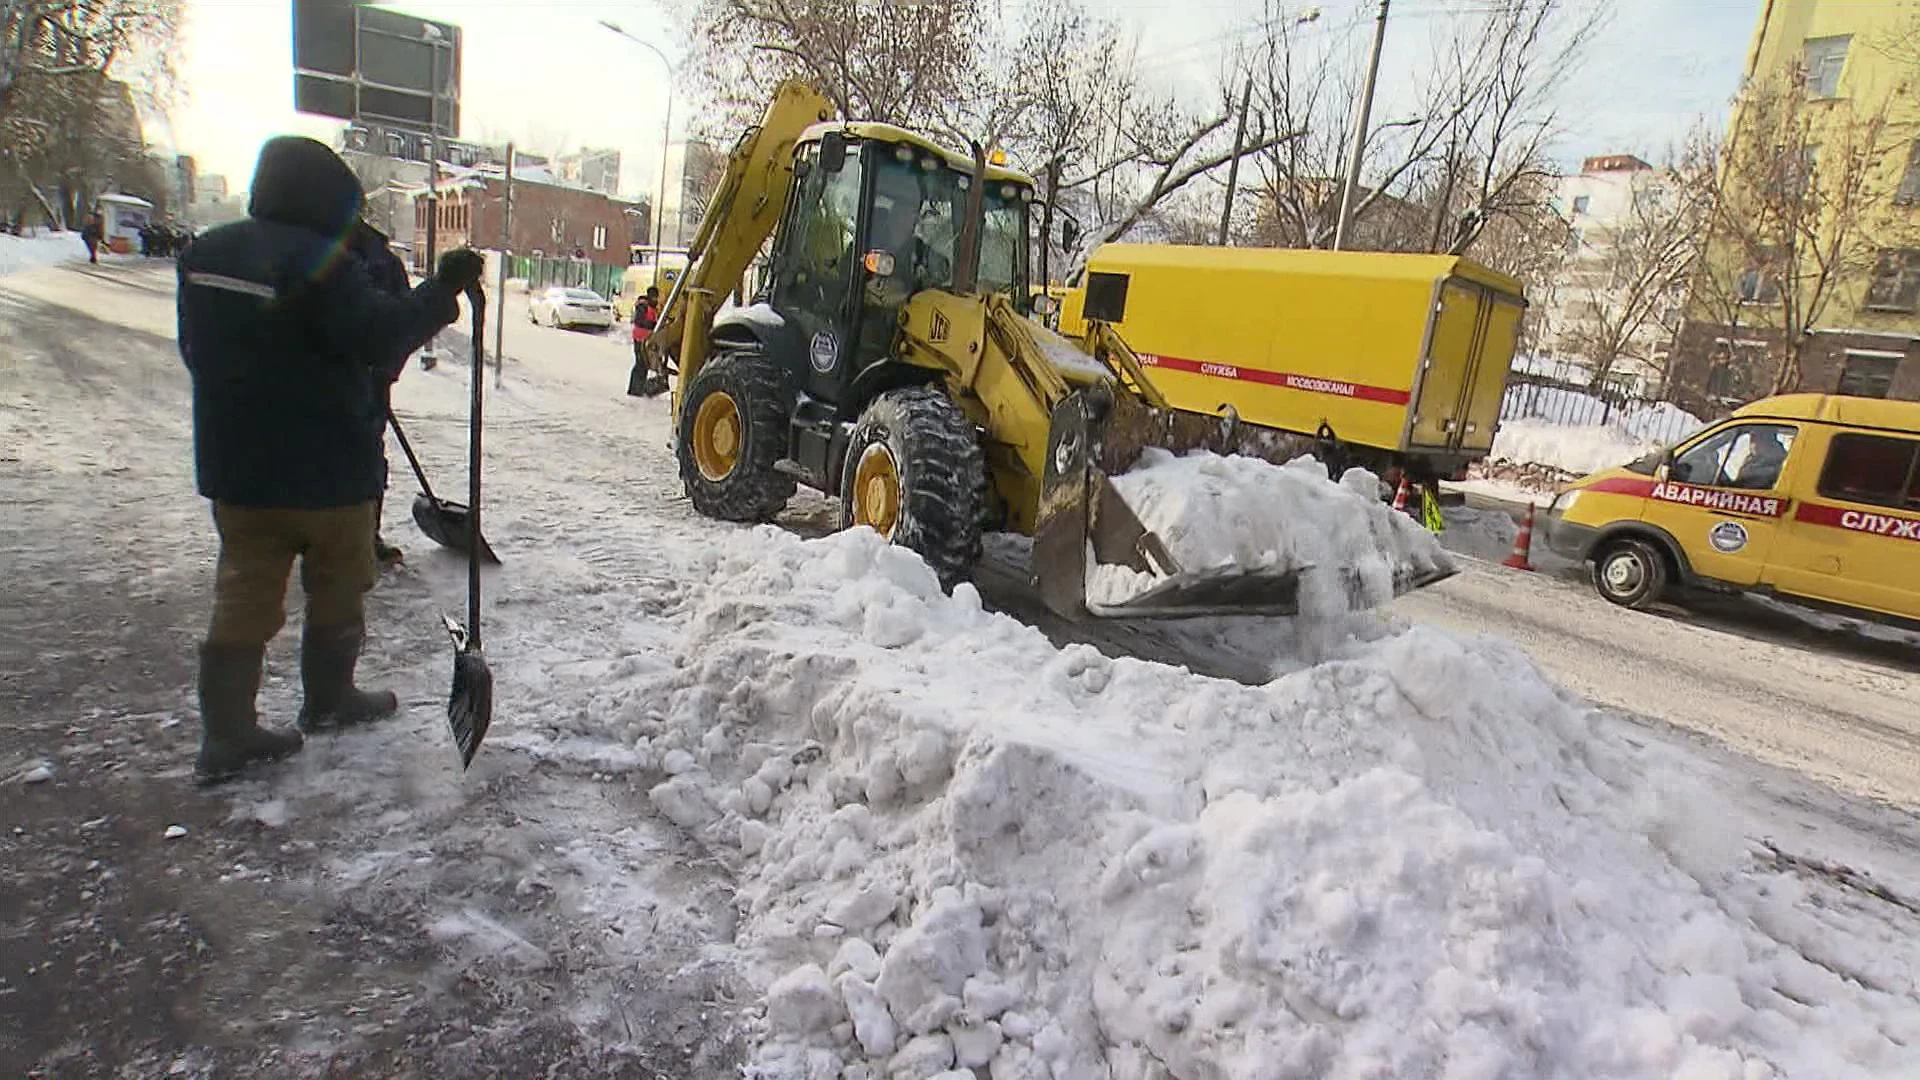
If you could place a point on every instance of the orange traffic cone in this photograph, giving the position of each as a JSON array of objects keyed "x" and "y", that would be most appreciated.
[
  {"x": 1401, "y": 493},
  {"x": 1522, "y": 544}
]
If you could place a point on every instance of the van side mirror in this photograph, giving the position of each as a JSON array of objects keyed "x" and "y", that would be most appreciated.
[
  {"x": 833, "y": 151},
  {"x": 1069, "y": 233},
  {"x": 1044, "y": 305}
]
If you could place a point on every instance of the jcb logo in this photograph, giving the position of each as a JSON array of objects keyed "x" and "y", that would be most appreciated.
[{"x": 940, "y": 329}]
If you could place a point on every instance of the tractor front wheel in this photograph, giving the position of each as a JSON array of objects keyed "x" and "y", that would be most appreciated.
[
  {"x": 915, "y": 474},
  {"x": 733, "y": 428}
]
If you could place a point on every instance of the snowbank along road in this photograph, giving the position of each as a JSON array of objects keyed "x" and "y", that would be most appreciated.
[{"x": 764, "y": 802}]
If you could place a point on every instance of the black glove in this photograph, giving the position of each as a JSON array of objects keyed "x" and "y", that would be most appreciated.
[{"x": 461, "y": 269}]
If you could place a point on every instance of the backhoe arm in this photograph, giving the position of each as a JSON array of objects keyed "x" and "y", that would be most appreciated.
[{"x": 744, "y": 211}]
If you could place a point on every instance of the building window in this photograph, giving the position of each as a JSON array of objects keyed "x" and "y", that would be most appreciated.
[
  {"x": 1909, "y": 191},
  {"x": 1873, "y": 469},
  {"x": 1896, "y": 280},
  {"x": 1868, "y": 374},
  {"x": 1800, "y": 172},
  {"x": 1581, "y": 202},
  {"x": 1720, "y": 380},
  {"x": 1759, "y": 286},
  {"x": 599, "y": 238},
  {"x": 1825, "y": 58}
]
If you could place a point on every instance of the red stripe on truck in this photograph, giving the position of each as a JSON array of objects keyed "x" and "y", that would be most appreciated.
[
  {"x": 1312, "y": 384},
  {"x": 1873, "y": 523},
  {"x": 1720, "y": 499}
]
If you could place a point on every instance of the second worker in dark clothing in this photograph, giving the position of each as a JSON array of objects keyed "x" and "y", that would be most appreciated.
[
  {"x": 390, "y": 274},
  {"x": 291, "y": 347}
]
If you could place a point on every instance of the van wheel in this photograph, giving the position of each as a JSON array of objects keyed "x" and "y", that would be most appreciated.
[
  {"x": 733, "y": 428},
  {"x": 915, "y": 474},
  {"x": 1631, "y": 573}
]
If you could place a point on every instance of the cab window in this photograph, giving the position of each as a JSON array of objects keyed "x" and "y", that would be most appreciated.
[
  {"x": 818, "y": 271},
  {"x": 1873, "y": 469},
  {"x": 1747, "y": 457}
]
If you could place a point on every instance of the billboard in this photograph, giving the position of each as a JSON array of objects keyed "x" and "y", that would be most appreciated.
[{"x": 377, "y": 66}]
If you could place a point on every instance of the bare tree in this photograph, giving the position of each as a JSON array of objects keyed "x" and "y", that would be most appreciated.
[
  {"x": 1058, "y": 87},
  {"x": 1471, "y": 153},
  {"x": 1796, "y": 211},
  {"x": 899, "y": 64},
  {"x": 1627, "y": 280},
  {"x": 72, "y": 76}
]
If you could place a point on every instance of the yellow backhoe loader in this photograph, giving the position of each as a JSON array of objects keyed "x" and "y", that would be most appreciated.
[{"x": 889, "y": 360}]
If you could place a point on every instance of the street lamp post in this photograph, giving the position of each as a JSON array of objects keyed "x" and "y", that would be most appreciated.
[{"x": 666, "y": 130}]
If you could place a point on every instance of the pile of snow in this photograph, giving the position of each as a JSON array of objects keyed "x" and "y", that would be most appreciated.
[
  {"x": 959, "y": 848},
  {"x": 19, "y": 253},
  {"x": 1218, "y": 514},
  {"x": 1576, "y": 450}
]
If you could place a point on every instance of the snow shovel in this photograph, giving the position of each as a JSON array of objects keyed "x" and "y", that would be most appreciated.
[
  {"x": 470, "y": 705},
  {"x": 445, "y": 523}
]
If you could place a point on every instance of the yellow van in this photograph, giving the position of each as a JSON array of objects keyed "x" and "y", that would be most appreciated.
[{"x": 1809, "y": 496}]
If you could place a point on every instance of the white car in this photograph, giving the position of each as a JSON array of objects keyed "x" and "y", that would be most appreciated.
[{"x": 570, "y": 307}]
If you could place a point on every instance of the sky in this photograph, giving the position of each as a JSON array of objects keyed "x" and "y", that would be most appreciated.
[{"x": 544, "y": 72}]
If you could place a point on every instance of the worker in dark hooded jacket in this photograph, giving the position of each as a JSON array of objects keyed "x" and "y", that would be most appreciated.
[{"x": 290, "y": 345}]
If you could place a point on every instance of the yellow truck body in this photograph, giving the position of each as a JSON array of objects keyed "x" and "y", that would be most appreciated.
[
  {"x": 635, "y": 279},
  {"x": 1403, "y": 358},
  {"x": 1810, "y": 496}
]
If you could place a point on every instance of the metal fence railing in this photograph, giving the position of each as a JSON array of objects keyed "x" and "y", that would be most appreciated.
[
  {"x": 543, "y": 271},
  {"x": 1571, "y": 405}
]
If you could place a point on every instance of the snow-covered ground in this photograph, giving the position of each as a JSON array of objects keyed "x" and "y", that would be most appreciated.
[
  {"x": 1574, "y": 449},
  {"x": 19, "y": 253},
  {"x": 1499, "y": 489},
  {"x": 869, "y": 830}
]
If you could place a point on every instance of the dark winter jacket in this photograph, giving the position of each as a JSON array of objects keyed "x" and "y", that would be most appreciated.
[{"x": 290, "y": 343}]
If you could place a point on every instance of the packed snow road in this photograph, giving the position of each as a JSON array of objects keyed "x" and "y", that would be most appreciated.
[
  {"x": 1843, "y": 708},
  {"x": 764, "y": 802}
]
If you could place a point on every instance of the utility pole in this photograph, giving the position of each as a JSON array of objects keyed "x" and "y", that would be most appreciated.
[
  {"x": 666, "y": 146},
  {"x": 1046, "y": 222},
  {"x": 1351, "y": 186},
  {"x": 430, "y": 356},
  {"x": 506, "y": 252},
  {"x": 1233, "y": 166}
]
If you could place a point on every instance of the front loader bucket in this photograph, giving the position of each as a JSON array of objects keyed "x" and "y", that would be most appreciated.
[{"x": 1087, "y": 537}]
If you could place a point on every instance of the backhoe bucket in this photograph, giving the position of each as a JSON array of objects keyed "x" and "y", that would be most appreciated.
[{"x": 1087, "y": 536}]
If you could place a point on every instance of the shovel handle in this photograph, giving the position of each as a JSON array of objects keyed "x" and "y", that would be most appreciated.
[
  {"x": 477, "y": 302},
  {"x": 412, "y": 458}
]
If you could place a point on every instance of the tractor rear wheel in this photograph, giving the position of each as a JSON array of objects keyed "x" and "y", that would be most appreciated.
[
  {"x": 733, "y": 428},
  {"x": 915, "y": 474}
]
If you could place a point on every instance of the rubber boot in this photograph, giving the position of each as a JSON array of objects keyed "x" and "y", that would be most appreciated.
[
  {"x": 383, "y": 553},
  {"x": 386, "y": 553},
  {"x": 231, "y": 737},
  {"x": 328, "y": 655}
]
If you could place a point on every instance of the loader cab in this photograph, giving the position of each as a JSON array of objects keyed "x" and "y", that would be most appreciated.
[{"x": 875, "y": 216}]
